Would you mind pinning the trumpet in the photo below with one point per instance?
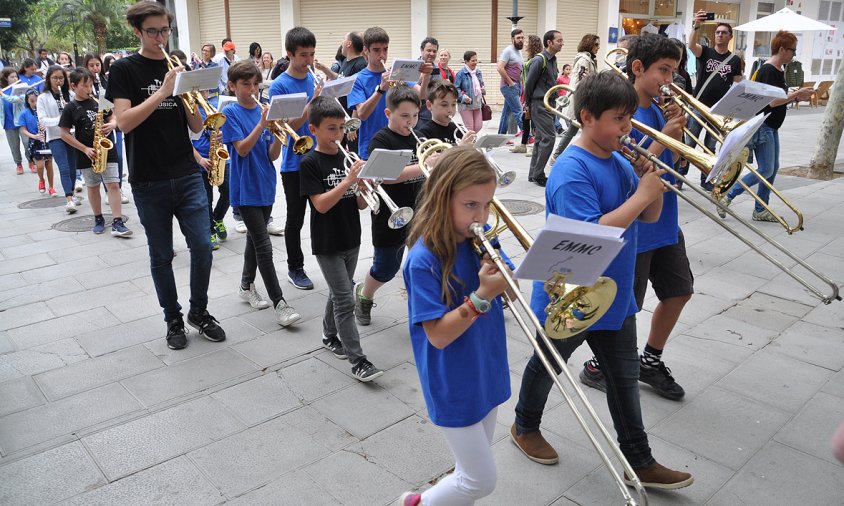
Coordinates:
(573, 309)
(280, 129)
(718, 127)
(505, 177)
(706, 163)
(399, 216)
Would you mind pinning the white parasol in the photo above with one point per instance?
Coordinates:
(785, 19)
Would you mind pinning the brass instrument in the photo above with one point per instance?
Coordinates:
(350, 124)
(705, 162)
(399, 216)
(718, 127)
(572, 310)
(214, 120)
(281, 130)
(102, 145)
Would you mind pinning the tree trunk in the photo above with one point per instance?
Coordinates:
(100, 33)
(823, 161)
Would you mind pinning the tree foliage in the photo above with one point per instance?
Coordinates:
(19, 12)
(93, 16)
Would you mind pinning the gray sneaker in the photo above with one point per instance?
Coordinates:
(763, 216)
(363, 306)
(253, 297)
(721, 212)
(365, 371)
(286, 314)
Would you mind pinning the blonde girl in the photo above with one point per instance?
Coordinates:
(457, 323)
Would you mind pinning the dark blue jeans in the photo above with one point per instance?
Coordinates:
(616, 352)
(67, 171)
(158, 202)
(511, 114)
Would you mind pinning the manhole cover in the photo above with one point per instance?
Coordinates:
(42, 203)
(82, 223)
(522, 207)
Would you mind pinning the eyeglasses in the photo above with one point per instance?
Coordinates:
(792, 49)
(57, 78)
(155, 32)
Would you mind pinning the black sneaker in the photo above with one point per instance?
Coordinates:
(365, 371)
(176, 337)
(660, 379)
(334, 345)
(207, 325)
(592, 376)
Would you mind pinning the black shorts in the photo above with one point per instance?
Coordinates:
(668, 270)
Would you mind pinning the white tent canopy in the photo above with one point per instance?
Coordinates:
(784, 19)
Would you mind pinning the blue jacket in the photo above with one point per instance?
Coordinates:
(463, 83)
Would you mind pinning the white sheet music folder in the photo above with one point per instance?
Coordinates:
(405, 70)
(339, 87)
(287, 106)
(198, 80)
(733, 145)
(580, 249)
(385, 164)
(746, 98)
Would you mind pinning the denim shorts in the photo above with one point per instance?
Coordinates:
(386, 262)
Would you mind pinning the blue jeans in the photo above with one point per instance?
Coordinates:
(386, 262)
(118, 146)
(765, 144)
(616, 352)
(512, 108)
(66, 169)
(157, 203)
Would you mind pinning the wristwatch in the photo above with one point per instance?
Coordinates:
(379, 90)
(481, 305)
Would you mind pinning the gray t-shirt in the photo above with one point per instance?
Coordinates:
(513, 63)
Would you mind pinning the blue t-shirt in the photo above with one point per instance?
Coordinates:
(203, 144)
(286, 84)
(34, 78)
(364, 87)
(666, 230)
(29, 120)
(465, 380)
(8, 112)
(253, 179)
(584, 187)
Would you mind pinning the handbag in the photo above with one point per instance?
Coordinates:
(486, 111)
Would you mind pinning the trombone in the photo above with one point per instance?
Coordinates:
(280, 129)
(350, 124)
(706, 162)
(718, 127)
(576, 308)
(399, 216)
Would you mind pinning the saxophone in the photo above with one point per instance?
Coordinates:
(102, 145)
(218, 155)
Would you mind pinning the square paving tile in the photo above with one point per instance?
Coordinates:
(363, 409)
(812, 429)
(259, 399)
(49, 477)
(722, 426)
(814, 344)
(18, 395)
(292, 488)
(357, 481)
(778, 475)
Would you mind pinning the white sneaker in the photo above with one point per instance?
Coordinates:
(77, 200)
(78, 186)
(253, 297)
(286, 314)
(123, 198)
(274, 229)
(239, 226)
(70, 207)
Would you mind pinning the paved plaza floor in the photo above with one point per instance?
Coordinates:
(95, 409)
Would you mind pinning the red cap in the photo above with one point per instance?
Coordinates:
(228, 46)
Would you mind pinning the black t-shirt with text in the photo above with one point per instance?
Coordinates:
(338, 229)
(433, 130)
(83, 116)
(709, 60)
(769, 74)
(159, 148)
(403, 194)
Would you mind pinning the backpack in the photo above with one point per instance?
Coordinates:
(526, 67)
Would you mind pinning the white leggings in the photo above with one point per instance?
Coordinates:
(474, 469)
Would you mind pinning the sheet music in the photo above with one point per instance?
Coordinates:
(385, 164)
(339, 87)
(287, 106)
(406, 70)
(746, 98)
(733, 145)
(197, 80)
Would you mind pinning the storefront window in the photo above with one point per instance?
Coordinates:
(634, 6)
(762, 40)
(665, 8)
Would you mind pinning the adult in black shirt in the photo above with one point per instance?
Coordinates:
(766, 141)
(165, 178)
(429, 48)
(709, 91)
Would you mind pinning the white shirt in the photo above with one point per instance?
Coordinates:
(676, 31)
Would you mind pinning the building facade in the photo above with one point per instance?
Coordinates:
(483, 25)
